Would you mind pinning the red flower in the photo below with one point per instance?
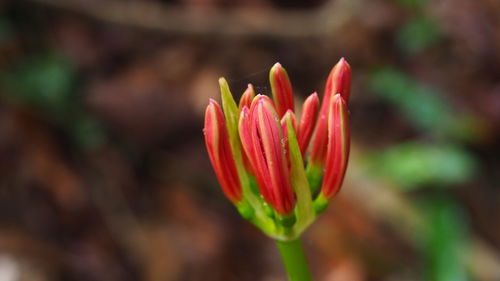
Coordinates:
(282, 89)
(247, 97)
(307, 122)
(261, 137)
(339, 82)
(219, 152)
(338, 146)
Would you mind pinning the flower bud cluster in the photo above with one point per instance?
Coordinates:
(258, 149)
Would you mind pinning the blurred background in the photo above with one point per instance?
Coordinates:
(104, 173)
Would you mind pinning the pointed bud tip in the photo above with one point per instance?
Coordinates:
(260, 98)
(338, 98)
(222, 81)
(247, 96)
(343, 62)
(210, 105)
(289, 114)
(312, 98)
(276, 66)
(277, 70)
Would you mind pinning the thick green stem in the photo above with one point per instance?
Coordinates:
(294, 260)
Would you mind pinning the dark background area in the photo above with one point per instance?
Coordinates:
(104, 173)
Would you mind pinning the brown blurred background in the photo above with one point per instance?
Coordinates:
(104, 174)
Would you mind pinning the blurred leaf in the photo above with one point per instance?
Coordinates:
(444, 241)
(46, 83)
(418, 34)
(423, 106)
(412, 165)
(43, 81)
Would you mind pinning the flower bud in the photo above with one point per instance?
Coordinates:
(244, 128)
(261, 137)
(282, 89)
(307, 121)
(219, 152)
(247, 97)
(257, 150)
(246, 101)
(338, 147)
(339, 82)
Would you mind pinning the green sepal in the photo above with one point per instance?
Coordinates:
(245, 210)
(268, 210)
(254, 187)
(321, 203)
(314, 176)
(287, 221)
(231, 111)
(304, 210)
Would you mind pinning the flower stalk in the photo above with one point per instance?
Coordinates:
(294, 259)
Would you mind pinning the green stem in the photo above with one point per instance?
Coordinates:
(294, 260)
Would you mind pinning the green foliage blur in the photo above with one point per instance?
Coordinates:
(437, 160)
(47, 83)
(414, 165)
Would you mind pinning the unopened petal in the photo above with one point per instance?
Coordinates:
(282, 89)
(247, 97)
(338, 147)
(339, 82)
(308, 121)
(272, 147)
(219, 152)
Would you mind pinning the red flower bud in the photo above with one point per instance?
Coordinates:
(307, 121)
(283, 122)
(246, 101)
(247, 97)
(282, 89)
(220, 153)
(338, 146)
(339, 82)
(261, 138)
(245, 127)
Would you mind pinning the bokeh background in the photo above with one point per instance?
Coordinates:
(104, 173)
